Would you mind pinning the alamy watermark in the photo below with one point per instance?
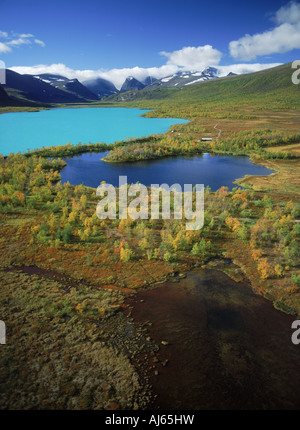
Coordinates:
(2, 333)
(296, 74)
(296, 333)
(157, 202)
(2, 73)
(296, 324)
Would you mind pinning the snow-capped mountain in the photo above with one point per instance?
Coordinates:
(52, 88)
(45, 88)
(181, 79)
(70, 85)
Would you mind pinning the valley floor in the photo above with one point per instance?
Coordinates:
(71, 341)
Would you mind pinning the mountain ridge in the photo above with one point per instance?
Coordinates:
(266, 87)
(33, 89)
(206, 85)
(184, 78)
(72, 86)
(131, 83)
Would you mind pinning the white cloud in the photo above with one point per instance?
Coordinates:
(25, 35)
(16, 40)
(57, 69)
(288, 13)
(40, 42)
(283, 38)
(243, 68)
(194, 58)
(19, 41)
(4, 48)
(118, 76)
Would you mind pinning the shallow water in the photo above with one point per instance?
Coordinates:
(228, 348)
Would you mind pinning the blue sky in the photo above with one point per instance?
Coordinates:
(95, 37)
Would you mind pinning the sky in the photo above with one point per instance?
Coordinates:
(115, 39)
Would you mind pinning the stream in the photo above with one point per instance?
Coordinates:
(224, 347)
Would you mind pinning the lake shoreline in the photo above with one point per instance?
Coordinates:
(90, 169)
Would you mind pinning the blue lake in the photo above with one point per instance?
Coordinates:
(215, 171)
(21, 131)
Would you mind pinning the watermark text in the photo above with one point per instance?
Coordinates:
(136, 201)
(296, 333)
(2, 333)
(2, 73)
(296, 74)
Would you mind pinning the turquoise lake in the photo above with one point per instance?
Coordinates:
(21, 131)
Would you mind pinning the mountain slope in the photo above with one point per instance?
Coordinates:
(72, 86)
(271, 84)
(4, 99)
(270, 88)
(29, 88)
(100, 87)
(131, 84)
(149, 80)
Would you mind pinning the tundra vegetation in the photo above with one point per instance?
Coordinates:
(65, 273)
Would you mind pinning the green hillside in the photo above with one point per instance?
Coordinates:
(267, 89)
(268, 86)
